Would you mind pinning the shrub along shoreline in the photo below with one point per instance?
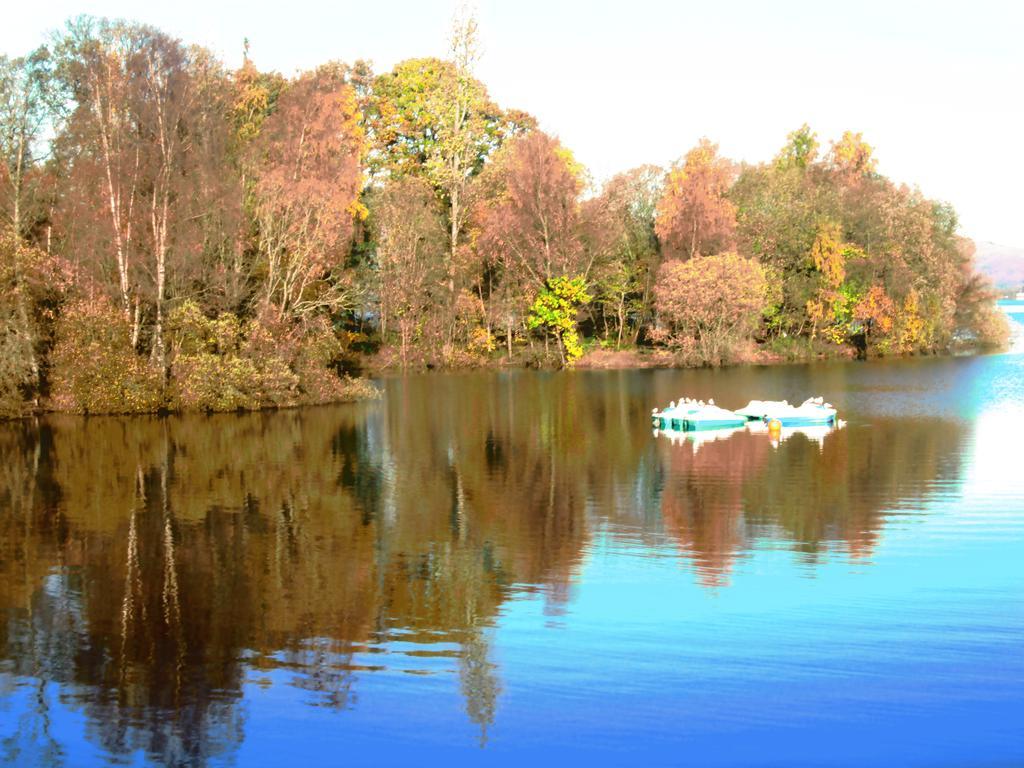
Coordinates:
(215, 365)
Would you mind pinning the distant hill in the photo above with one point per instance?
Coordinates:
(1003, 264)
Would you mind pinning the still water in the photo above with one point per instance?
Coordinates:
(509, 567)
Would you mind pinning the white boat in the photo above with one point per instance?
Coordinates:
(812, 412)
(711, 417)
(672, 417)
(691, 414)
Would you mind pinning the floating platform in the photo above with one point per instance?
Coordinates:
(688, 414)
(674, 416)
(812, 412)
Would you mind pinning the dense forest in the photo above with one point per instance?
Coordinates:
(178, 235)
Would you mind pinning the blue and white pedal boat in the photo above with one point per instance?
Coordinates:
(812, 412)
(673, 416)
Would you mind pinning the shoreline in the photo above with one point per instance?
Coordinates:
(363, 388)
(358, 389)
(627, 358)
(648, 359)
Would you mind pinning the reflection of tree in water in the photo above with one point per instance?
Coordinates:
(193, 554)
(292, 540)
(702, 499)
(45, 645)
(719, 497)
(479, 681)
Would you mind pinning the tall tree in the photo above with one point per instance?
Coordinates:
(452, 160)
(164, 110)
(139, 128)
(531, 222)
(619, 232)
(852, 156)
(24, 110)
(307, 164)
(434, 118)
(800, 150)
(694, 214)
(411, 242)
(527, 222)
(97, 64)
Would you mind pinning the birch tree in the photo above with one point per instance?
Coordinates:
(24, 109)
(97, 63)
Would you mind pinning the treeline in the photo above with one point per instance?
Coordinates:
(181, 235)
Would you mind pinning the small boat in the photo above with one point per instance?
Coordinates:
(672, 417)
(812, 412)
(710, 416)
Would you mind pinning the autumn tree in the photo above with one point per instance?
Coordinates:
(32, 286)
(828, 256)
(532, 220)
(619, 234)
(780, 207)
(875, 314)
(254, 96)
(555, 311)
(139, 157)
(307, 164)
(852, 156)
(433, 118)
(451, 161)
(800, 150)
(976, 316)
(710, 304)
(25, 108)
(694, 214)
(164, 112)
(411, 244)
(99, 64)
(527, 221)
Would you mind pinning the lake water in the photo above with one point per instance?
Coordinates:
(511, 568)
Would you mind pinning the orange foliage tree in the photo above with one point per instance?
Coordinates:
(527, 222)
(307, 159)
(694, 215)
(876, 313)
(852, 155)
(532, 223)
(828, 255)
(708, 304)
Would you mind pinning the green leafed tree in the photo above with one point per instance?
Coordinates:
(555, 311)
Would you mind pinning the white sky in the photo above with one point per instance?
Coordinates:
(936, 87)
